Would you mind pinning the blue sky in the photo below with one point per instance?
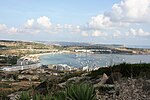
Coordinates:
(65, 11)
(96, 21)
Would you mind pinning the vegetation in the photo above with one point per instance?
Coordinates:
(72, 92)
(3, 95)
(21, 48)
(70, 75)
(80, 92)
(24, 45)
(2, 46)
(24, 96)
(5, 85)
(127, 70)
(8, 59)
(132, 70)
(100, 71)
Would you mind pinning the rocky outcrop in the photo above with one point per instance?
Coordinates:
(14, 96)
(74, 80)
(29, 71)
(146, 86)
(125, 89)
(102, 80)
(116, 76)
(28, 77)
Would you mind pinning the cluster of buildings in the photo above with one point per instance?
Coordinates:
(94, 50)
(17, 68)
(24, 63)
(62, 67)
(32, 62)
(87, 68)
(65, 67)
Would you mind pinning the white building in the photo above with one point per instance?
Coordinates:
(16, 68)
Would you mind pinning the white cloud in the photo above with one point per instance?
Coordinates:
(29, 31)
(77, 28)
(44, 21)
(131, 11)
(99, 33)
(68, 26)
(84, 33)
(58, 26)
(122, 16)
(99, 21)
(31, 26)
(104, 22)
(13, 30)
(29, 23)
(7, 30)
(71, 28)
(137, 32)
(3, 27)
(117, 33)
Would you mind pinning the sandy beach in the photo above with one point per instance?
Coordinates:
(36, 57)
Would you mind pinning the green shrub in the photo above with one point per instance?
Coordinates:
(62, 94)
(3, 95)
(5, 85)
(134, 70)
(100, 71)
(70, 75)
(127, 70)
(80, 92)
(72, 92)
(38, 97)
(49, 97)
(24, 96)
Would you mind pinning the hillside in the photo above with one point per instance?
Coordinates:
(122, 82)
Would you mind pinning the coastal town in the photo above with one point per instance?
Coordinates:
(21, 69)
(74, 50)
(33, 62)
(32, 57)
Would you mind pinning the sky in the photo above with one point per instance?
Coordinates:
(95, 21)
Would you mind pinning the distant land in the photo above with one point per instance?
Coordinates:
(78, 44)
(21, 48)
(92, 44)
(62, 43)
(139, 46)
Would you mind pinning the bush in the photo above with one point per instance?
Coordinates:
(100, 71)
(3, 95)
(61, 95)
(127, 70)
(38, 97)
(80, 92)
(70, 75)
(5, 85)
(134, 70)
(24, 96)
(72, 92)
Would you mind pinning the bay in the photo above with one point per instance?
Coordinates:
(98, 60)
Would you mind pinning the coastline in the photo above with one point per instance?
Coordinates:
(35, 57)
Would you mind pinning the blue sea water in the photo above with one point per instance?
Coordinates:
(81, 60)
(139, 46)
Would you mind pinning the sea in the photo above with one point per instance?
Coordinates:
(139, 46)
(92, 60)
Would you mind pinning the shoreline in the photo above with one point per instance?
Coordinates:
(36, 57)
